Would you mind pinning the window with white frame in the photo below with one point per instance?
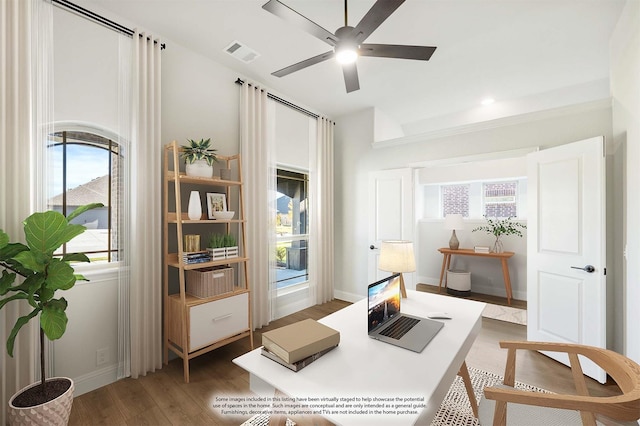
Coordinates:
(475, 199)
(455, 199)
(87, 168)
(500, 199)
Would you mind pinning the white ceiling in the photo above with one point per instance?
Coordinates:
(517, 51)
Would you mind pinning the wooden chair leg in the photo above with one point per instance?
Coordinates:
(464, 373)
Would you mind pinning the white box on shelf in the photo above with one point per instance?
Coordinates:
(232, 252)
(218, 253)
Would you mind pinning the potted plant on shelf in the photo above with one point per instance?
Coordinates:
(216, 247)
(231, 246)
(49, 401)
(199, 158)
(500, 227)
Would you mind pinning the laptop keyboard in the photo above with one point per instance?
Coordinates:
(400, 327)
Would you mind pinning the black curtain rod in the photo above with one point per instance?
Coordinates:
(285, 102)
(100, 19)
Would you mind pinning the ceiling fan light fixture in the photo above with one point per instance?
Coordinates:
(346, 55)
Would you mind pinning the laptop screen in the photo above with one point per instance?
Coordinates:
(384, 300)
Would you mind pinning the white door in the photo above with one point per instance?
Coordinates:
(391, 215)
(566, 247)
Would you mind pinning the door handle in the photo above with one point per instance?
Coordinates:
(588, 268)
(372, 247)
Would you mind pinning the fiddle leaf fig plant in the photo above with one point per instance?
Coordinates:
(44, 274)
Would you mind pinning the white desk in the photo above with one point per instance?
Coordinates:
(364, 367)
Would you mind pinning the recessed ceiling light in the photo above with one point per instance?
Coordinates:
(487, 101)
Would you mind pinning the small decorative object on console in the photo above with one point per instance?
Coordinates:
(500, 227)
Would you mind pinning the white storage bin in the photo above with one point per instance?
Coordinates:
(458, 282)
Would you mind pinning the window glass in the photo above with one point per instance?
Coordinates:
(500, 199)
(455, 199)
(86, 169)
(292, 228)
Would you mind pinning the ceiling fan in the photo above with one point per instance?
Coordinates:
(347, 42)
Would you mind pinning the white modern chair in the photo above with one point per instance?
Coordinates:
(504, 405)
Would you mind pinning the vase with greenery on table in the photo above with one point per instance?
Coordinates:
(498, 228)
(199, 158)
(43, 273)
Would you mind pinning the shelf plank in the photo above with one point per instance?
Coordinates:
(191, 300)
(214, 181)
(172, 217)
(173, 260)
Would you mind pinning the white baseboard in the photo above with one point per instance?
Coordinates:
(480, 288)
(95, 379)
(349, 297)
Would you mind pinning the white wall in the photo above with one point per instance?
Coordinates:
(625, 88)
(355, 158)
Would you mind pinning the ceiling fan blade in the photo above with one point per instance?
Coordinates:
(351, 82)
(398, 51)
(378, 13)
(285, 12)
(304, 64)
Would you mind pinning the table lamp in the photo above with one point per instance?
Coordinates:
(453, 221)
(396, 256)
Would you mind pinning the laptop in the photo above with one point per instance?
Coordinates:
(388, 324)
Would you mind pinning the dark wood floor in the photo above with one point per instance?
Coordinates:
(162, 398)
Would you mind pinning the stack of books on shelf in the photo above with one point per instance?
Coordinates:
(196, 257)
(481, 249)
(297, 345)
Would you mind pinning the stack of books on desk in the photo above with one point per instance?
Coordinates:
(481, 249)
(297, 345)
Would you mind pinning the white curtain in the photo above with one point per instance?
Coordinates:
(143, 252)
(321, 267)
(25, 115)
(258, 175)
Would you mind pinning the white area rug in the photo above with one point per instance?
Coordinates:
(455, 410)
(505, 313)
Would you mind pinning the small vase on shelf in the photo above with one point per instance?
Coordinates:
(497, 246)
(195, 207)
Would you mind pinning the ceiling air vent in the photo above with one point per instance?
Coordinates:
(241, 52)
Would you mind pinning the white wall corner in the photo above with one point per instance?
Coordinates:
(385, 127)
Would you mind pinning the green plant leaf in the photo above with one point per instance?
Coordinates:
(78, 211)
(16, 296)
(75, 257)
(47, 231)
(60, 276)
(16, 328)
(7, 279)
(4, 238)
(31, 284)
(31, 260)
(59, 303)
(53, 321)
(9, 251)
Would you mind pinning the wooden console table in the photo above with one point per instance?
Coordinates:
(446, 262)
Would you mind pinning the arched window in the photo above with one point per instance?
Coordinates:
(86, 167)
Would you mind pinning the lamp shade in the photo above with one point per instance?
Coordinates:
(453, 221)
(397, 256)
